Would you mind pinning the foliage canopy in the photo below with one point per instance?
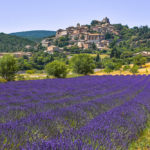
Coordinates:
(82, 64)
(8, 67)
(57, 69)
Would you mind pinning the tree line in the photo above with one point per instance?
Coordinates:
(79, 63)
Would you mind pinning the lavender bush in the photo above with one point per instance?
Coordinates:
(85, 113)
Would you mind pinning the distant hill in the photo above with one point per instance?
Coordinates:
(12, 43)
(36, 35)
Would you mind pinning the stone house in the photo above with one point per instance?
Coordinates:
(51, 49)
(45, 43)
(95, 38)
(61, 32)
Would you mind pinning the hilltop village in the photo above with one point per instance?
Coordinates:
(84, 36)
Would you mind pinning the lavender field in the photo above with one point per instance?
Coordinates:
(85, 113)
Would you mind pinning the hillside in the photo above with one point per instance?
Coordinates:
(11, 43)
(132, 39)
(36, 35)
(102, 35)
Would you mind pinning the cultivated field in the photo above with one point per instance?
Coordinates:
(84, 113)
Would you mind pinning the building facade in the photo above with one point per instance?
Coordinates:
(85, 35)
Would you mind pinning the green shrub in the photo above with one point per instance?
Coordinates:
(8, 67)
(109, 66)
(140, 60)
(82, 64)
(57, 69)
(125, 68)
(108, 70)
(31, 71)
(134, 69)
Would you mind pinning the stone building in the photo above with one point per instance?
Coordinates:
(51, 49)
(45, 43)
(60, 33)
(106, 20)
(84, 35)
(78, 25)
(84, 45)
(95, 38)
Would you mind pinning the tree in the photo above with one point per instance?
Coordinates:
(94, 22)
(126, 54)
(82, 64)
(139, 60)
(110, 66)
(98, 61)
(118, 26)
(113, 43)
(8, 67)
(126, 67)
(108, 70)
(57, 69)
(62, 41)
(108, 36)
(37, 61)
(115, 53)
(94, 47)
(134, 69)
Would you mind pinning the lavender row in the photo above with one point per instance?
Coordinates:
(47, 116)
(111, 130)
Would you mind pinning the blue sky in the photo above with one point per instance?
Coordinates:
(23, 15)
